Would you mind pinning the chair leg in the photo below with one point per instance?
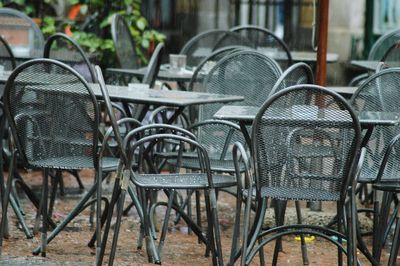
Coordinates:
(165, 223)
(210, 229)
(44, 212)
(54, 185)
(120, 209)
(236, 227)
(5, 201)
(303, 242)
(394, 251)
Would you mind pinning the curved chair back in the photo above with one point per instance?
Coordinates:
(266, 42)
(203, 44)
(65, 49)
(53, 115)
(13, 22)
(380, 92)
(381, 45)
(282, 129)
(154, 65)
(299, 73)
(246, 73)
(124, 43)
(7, 58)
(207, 63)
(392, 56)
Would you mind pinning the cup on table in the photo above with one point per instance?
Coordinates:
(177, 62)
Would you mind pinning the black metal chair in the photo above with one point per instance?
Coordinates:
(382, 45)
(124, 43)
(378, 93)
(392, 55)
(7, 58)
(12, 20)
(61, 47)
(54, 117)
(140, 144)
(299, 73)
(266, 41)
(203, 44)
(280, 130)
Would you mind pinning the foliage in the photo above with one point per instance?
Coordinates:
(91, 28)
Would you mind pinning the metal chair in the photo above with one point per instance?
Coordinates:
(280, 130)
(7, 59)
(392, 55)
(149, 180)
(378, 93)
(61, 47)
(299, 73)
(203, 44)
(267, 42)
(124, 43)
(13, 23)
(54, 117)
(381, 45)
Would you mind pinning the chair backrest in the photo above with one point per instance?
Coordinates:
(53, 115)
(281, 131)
(299, 73)
(381, 45)
(380, 92)
(65, 49)
(124, 43)
(392, 55)
(7, 59)
(207, 63)
(154, 65)
(115, 125)
(203, 44)
(266, 42)
(22, 33)
(245, 73)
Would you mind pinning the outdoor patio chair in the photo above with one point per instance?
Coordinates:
(7, 59)
(13, 22)
(44, 100)
(381, 46)
(203, 44)
(279, 131)
(299, 73)
(392, 55)
(378, 93)
(266, 42)
(124, 44)
(61, 47)
(140, 144)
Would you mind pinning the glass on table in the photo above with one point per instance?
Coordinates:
(177, 62)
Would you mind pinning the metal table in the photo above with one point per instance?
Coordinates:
(245, 115)
(298, 56)
(365, 64)
(164, 74)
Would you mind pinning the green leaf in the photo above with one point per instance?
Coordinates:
(84, 9)
(145, 43)
(141, 23)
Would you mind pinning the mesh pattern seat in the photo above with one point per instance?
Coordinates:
(124, 43)
(203, 44)
(65, 49)
(378, 93)
(266, 42)
(15, 22)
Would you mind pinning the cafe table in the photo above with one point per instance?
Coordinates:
(245, 115)
(365, 64)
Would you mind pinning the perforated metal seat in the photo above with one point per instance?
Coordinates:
(392, 55)
(7, 59)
